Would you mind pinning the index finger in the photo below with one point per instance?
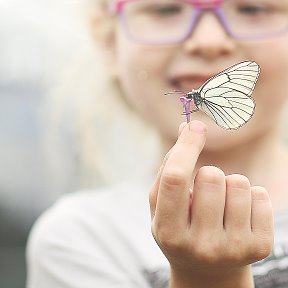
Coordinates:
(154, 191)
(173, 195)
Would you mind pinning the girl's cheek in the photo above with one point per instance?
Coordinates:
(143, 60)
(273, 59)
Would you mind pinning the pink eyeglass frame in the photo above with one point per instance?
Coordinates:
(116, 8)
(118, 4)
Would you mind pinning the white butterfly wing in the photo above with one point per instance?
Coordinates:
(231, 110)
(226, 96)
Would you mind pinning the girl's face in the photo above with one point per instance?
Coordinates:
(146, 72)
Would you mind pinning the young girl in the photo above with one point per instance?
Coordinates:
(209, 216)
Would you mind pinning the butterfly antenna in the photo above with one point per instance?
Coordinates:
(175, 92)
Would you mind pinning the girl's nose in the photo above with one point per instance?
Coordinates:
(209, 38)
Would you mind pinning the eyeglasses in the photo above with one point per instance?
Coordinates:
(173, 21)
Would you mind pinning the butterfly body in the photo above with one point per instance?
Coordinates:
(226, 97)
(195, 95)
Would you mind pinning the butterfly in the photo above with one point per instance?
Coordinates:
(226, 97)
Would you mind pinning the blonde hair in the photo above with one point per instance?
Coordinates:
(94, 137)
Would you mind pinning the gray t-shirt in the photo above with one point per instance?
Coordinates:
(103, 239)
(273, 271)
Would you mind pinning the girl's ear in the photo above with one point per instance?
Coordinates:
(102, 27)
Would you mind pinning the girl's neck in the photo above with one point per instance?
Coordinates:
(253, 159)
(264, 160)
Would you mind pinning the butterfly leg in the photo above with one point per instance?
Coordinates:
(194, 110)
(190, 112)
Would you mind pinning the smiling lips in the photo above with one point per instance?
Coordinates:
(186, 83)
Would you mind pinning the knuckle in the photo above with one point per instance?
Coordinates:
(166, 157)
(206, 251)
(173, 178)
(237, 249)
(236, 240)
(236, 255)
(261, 254)
(237, 252)
(262, 250)
(152, 198)
(167, 240)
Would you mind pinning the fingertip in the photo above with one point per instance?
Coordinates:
(181, 127)
(262, 223)
(259, 193)
(198, 127)
(195, 126)
(262, 212)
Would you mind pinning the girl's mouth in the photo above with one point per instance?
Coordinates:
(186, 83)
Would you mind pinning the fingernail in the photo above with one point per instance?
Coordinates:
(197, 126)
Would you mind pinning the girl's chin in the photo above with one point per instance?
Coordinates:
(221, 141)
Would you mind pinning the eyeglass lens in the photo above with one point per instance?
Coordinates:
(169, 20)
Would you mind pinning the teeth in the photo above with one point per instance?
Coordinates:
(177, 85)
(185, 86)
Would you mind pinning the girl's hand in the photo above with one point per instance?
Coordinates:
(212, 228)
